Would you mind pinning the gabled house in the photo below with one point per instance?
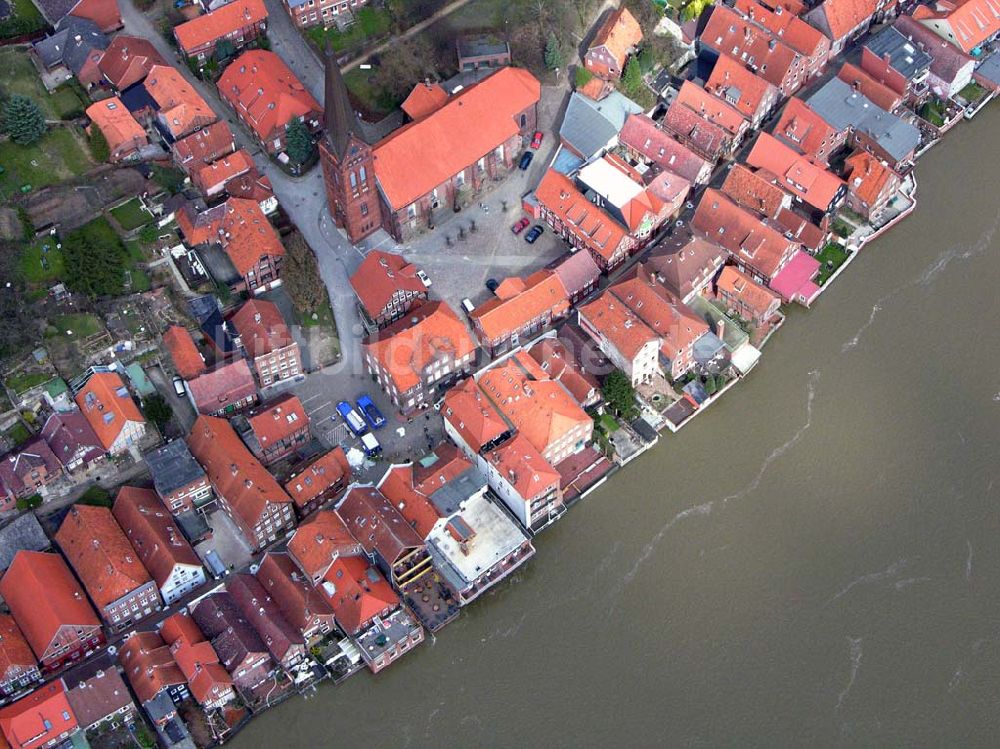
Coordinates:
(750, 94)
(967, 24)
(128, 60)
(116, 580)
(18, 666)
(125, 136)
(319, 542)
(151, 669)
(72, 440)
(266, 340)
(871, 184)
(784, 23)
(249, 494)
(212, 179)
(419, 355)
(950, 70)
(98, 695)
(878, 93)
(387, 287)
(305, 13)
(204, 146)
(275, 430)
(267, 96)
(710, 140)
(301, 605)
(844, 20)
(319, 481)
(180, 110)
(180, 483)
(285, 644)
(745, 297)
(617, 38)
(648, 143)
(590, 127)
(239, 22)
(520, 309)
(41, 720)
(357, 593)
(808, 182)
(27, 471)
(158, 542)
(188, 361)
(388, 540)
(895, 61)
(630, 344)
(23, 533)
(240, 649)
(74, 50)
(805, 132)
(104, 13)
(105, 402)
(559, 362)
(51, 609)
(224, 390)
(208, 681)
(578, 273)
(687, 265)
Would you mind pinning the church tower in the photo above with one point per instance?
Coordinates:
(348, 162)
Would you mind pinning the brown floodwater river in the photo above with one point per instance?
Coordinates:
(814, 561)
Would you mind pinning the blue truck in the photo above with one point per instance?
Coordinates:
(371, 412)
(354, 421)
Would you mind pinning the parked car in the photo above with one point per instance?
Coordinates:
(354, 421)
(491, 284)
(520, 225)
(371, 412)
(526, 160)
(371, 445)
(533, 234)
(536, 142)
(424, 278)
(468, 306)
(178, 387)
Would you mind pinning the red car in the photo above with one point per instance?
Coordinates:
(536, 142)
(520, 226)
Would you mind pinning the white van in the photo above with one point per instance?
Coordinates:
(371, 445)
(468, 306)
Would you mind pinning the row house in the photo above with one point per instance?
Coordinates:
(585, 226)
(419, 355)
(696, 128)
(159, 543)
(877, 93)
(784, 25)
(301, 605)
(306, 13)
(520, 310)
(249, 494)
(267, 97)
(180, 109)
(647, 143)
(51, 609)
(729, 32)
(844, 20)
(223, 391)
(18, 666)
(631, 345)
(105, 402)
(264, 336)
(388, 540)
(578, 273)
(435, 164)
(285, 644)
(239, 22)
(319, 481)
(73, 441)
(387, 287)
(811, 184)
(617, 38)
(179, 481)
(239, 647)
(950, 70)
(98, 694)
(128, 60)
(124, 135)
(204, 146)
(712, 108)
(745, 298)
(213, 179)
(805, 132)
(208, 681)
(27, 471)
(319, 542)
(895, 61)
(559, 361)
(41, 720)
(686, 264)
(472, 542)
(74, 49)
(107, 565)
(871, 184)
(151, 669)
(967, 25)
(750, 94)
(275, 430)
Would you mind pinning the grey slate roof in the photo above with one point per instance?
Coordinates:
(589, 125)
(481, 45)
(843, 107)
(990, 68)
(71, 44)
(24, 533)
(173, 466)
(448, 499)
(55, 10)
(904, 56)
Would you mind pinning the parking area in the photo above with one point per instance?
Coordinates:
(227, 541)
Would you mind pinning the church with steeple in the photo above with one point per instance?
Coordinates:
(454, 144)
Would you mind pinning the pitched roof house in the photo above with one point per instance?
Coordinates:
(687, 266)
(967, 24)
(842, 20)
(150, 667)
(204, 146)
(158, 542)
(128, 60)
(285, 644)
(807, 181)
(180, 109)
(784, 23)
(42, 719)
(526, 483)
(951, 69)
(97, 693)
(267, 96)
(209, 682)
(26, 471)
(124, 135)
(357, 592)
(266, 339)
(223, 390)
(179, 481)
(240, 22)
(319, 481)
(617, 37)
(104, 13)
(710, 140)
(109, 409)
(804, 131)
(75, 49)
(301, 605)
(277, 429)
(240, 649)
(319, 542)
(622, 336)
(750, 94)
(50, 608)
(188, 361)
(18, 666)
(387, 287)
(23, 533)
(211, 179)
(520, 309)
(251, 496)
(72, 440)
(878, 93)
(116, 580)
(557, 359)
(745, 297)
(644, 140)
(871, 184)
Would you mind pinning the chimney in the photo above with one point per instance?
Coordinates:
(720, 328)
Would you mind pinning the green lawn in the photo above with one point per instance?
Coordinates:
(608, 423)
(973, 92)
(478, 14)
(20, 77)
(135, 250)
(32, 267)
(25, 19)
(58, 156)
(131, 215)
(933, 112)
(830, 257)
(141, 281)
(19, 433)
(82, 324)
(23, 382)
(372, 98)
(371, 23)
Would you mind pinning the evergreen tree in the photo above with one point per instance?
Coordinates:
(298, 141)
(553, 55)
(99, 147)
(23, 120)
(619, 394)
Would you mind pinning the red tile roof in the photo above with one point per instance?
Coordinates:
(43, 596)
(283, 641)
(128, 59)
(230, 383)
(252, 186)
(559, 362)
(211, 178)
(107, 405)
(15, 654)
(967, 23)
(643, 135)
(234, 472)
(810, 182)
(278, 420)
(742, 233)
(104, 13)
(522, 301)
(473, 415)
(149, 665)
(868, 176)
(40, 719)
(687, 264)
(328, 470)
(843, 16)
(802, 130)
(16, 468)
(879, 94)
(734, 283)
(786, 25)
(299, 601)
(600, 233)
(205, 146)
(619, 33)
(261, 327)
(728, 30)
(213, 26)
(357, 593)
(705, 137)
(380, 276)
(423, 155)
(187, 360)
(196, 658)
(709, 107)
(153, 533)
(120, 129)
(265, 92)
(320, 540)
(524, 468)
(101, 555)
(181, 107)
(431, 332)
(397, 486)
(376, 524)
(424, 99)
(755, 95)
(754, 191)
(618, 324)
